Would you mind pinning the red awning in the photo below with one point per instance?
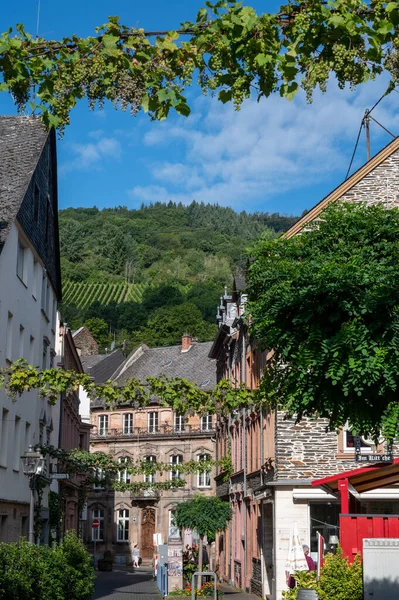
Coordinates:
(363, 479)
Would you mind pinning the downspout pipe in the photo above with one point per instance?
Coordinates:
(244, 450)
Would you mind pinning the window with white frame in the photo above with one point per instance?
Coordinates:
(176, 459)
(152, 422)
(204, 476)
(206, 423)
(179, 422)
(103, 425)
(123, 525)
(349, 444)
(150, 477)
(123, 474)
(97, 534)
(98, 479)
(127, 423)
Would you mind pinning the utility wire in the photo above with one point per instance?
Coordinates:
(355, 149)
(367, 115)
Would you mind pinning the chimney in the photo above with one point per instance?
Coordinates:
(186, 342)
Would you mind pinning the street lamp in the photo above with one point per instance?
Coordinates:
(32, 465)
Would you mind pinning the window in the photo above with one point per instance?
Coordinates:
(9, 338)
(204, 477)
(36, 202)
(4, 438)
(44, 288)
(103, 425)
(152, 422)
(349, 442)
(45, 353)
(99, 479)
(123, 525)
(206, 423)
(54, 314)
(31, 350)
(17, 443)
(179, 422)
(176, 459)
(21, 352)
(97, 534)
(35, 279)
(21, 266)
(150, 477)
(123, 475)
(128, 423)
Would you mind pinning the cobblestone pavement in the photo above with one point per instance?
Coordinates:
(123, 584)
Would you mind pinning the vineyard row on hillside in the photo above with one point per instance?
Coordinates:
(84, 294)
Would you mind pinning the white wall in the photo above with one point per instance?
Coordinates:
(285, 513)
(23, 300)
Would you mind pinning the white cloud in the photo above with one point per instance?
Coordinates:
(92, 154)
(266, 149)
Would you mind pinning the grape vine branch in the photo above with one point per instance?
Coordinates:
(229, 48)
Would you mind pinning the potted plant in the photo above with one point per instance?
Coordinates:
(105, 563)
(306, 583)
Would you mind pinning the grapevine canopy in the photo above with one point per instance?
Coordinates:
(229, 49)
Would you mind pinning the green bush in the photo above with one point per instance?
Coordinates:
(339, 579)
(30, 572)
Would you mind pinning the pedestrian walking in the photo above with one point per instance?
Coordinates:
(136, 556)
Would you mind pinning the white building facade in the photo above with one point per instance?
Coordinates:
(29, 291)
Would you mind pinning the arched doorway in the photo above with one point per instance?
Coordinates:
(147, 532)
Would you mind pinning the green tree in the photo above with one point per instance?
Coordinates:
(99, 330)
(327, 303)
(166, 325)
(207, 515)
(229, 47)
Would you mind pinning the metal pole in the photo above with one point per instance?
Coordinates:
(31, 510)
(367, 126)
(95, 561)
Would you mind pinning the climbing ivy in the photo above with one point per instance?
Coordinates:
(229, 49)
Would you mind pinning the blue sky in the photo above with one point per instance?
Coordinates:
(270, 156)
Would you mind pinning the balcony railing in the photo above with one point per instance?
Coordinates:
(161, 430)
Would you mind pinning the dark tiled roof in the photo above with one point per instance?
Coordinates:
(103, 369)
(21, 142)
(88, 362)
(194, 365)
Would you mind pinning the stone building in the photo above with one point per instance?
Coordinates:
(153, 433)
(85, 342)
(29, 291)
(275, 460)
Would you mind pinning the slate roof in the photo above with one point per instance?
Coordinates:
(194, 365)
(21, 143)
(102, 366)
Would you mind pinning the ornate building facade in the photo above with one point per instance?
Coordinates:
(155, 434)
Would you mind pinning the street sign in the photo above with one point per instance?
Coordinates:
(374, 458)
(59, 476)
(95, 524)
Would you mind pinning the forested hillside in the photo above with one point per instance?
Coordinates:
(151, 273)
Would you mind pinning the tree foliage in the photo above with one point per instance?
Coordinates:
(229, 48)
(206, 514)
(327, 303)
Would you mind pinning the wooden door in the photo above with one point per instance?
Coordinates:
(147, 532)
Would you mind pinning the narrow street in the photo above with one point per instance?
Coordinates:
(122, 583)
